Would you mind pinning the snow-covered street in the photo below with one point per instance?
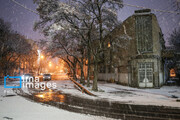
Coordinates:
(13, 107)
(19, 108)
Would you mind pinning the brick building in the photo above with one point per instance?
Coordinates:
(134, 50)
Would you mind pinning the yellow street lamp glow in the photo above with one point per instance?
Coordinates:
(40, 96)
(50, 64)
(42, 56)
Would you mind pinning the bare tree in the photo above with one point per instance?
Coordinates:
(87, 21)
(13, 46)
(175, 39)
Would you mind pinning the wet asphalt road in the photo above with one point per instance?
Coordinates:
(101, 107)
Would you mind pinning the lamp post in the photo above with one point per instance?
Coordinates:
(50, 64)
(40, 66)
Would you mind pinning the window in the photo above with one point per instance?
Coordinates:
(109, 44)
(144, 33)
(146, 72)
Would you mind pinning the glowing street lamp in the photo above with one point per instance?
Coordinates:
(42, 56)
(50, 64)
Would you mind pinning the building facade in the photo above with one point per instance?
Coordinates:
(134, 49)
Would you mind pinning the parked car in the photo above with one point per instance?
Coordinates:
(46, 77)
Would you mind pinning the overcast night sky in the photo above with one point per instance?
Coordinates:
(22, 20)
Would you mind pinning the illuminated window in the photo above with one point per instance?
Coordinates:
(109, 44)
(172, 73)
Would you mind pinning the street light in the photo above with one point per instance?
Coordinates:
(42, 56)
(50, 64)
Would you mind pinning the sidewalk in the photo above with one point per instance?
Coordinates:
(166, 96)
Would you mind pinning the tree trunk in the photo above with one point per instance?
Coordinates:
(95, 87)
(74, 69)
(74, 74)
(82, 75)
(88, 72)
(82, 80)
(89, 57)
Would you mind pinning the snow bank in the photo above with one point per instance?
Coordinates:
(124, 94)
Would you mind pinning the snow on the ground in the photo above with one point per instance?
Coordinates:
(164, 90)
(19, 108)
(67, 86)
(125, 94)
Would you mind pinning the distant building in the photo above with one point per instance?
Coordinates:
(134, 52)
(171, 59)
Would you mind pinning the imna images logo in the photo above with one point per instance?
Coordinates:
(29, 82)
(12, 77)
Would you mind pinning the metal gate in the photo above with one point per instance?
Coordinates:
(145, 74)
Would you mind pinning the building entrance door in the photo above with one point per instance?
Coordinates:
(145, 75)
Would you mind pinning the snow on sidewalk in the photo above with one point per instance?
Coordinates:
(125, 94)
(19, 108)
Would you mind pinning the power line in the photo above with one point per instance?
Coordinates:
(25, 7)
(157, 10)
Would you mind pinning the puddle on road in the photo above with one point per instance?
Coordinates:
(48, 96)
